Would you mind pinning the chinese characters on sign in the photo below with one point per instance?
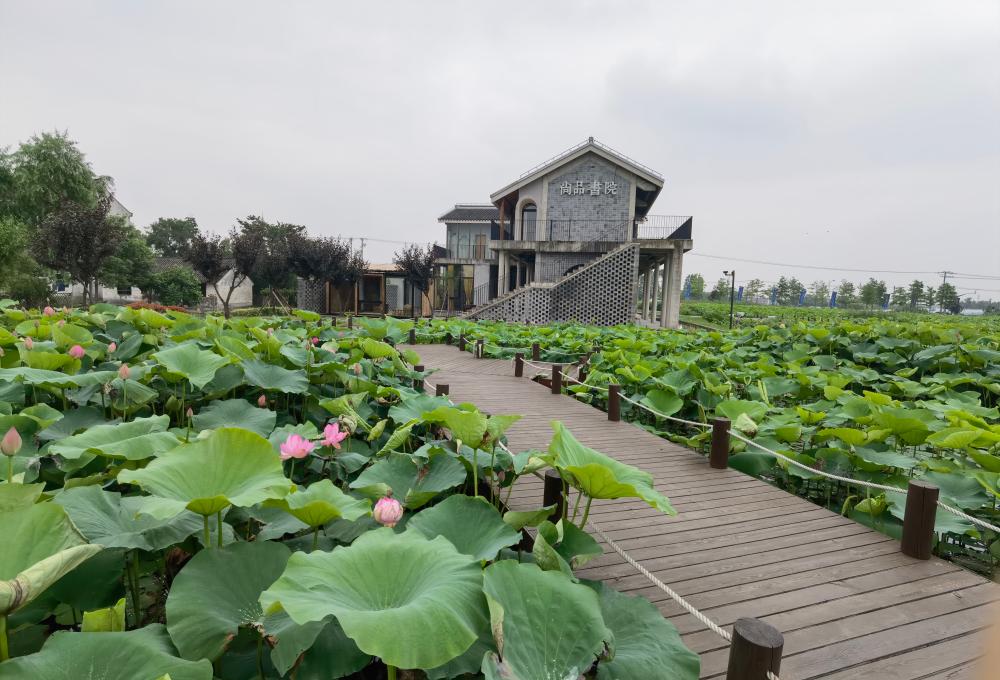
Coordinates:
(595, 188)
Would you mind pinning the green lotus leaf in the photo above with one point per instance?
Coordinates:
(321, 502)
(472, 525)
(465, 422)
(136, 440)
(197, 365)
(600, 476)
(957, 489)
(646, 644)
(40, 546)
(235, 413)
(413, 406)
(886, 458)
(37, 376)
(987, 461)
(412, 483)
(229, 467)
(410, 601)
(733, 408)
(546, 626)
(108, 519)
(954, 437)
(318, 650)
(663, 402)
(107, 620)
(43, 414)
(848, 435)
(518, 519)
(374, 349)
(217, 592)
(47, 361)
(271, 377)
(14, 496)
(143, 653)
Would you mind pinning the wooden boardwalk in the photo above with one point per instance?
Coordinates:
(848, 602)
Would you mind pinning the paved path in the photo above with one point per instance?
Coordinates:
(849, 603)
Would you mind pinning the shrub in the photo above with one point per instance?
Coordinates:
(176, 286)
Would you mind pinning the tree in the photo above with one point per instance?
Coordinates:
(930, 296)
(79, 239)
(873, 292)
(271, 270)
(845, 292)
(947, 298)
(214, 257)
(720, 291)
(900, 296)
(789, 290)
(417, 266)
(175, 285)
(916, 292)
(753, 290)
(819, 293)
(325, 259)
(171, 236)
(131, 264)
(695, 285)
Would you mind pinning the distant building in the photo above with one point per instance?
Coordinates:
(382, 289)
(569, 240)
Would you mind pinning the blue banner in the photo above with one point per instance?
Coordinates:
(687, 290)
(802, 298)
(833, 299)
(774, 295)
(885, 301)
(739, 294)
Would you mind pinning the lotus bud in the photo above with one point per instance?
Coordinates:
(1, 352)
(124, 371)
(28, 342)
(315, 341)
(357, 369)
(262, 401)
(76, 352)
(11, 442)
(113, 347)
(48, 311)
(388, 510)
(270, 331)
(190, 413)
(66, 310)
(61, 323)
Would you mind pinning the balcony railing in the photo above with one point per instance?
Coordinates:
(653, 227)
(660, 227)
(470, 251)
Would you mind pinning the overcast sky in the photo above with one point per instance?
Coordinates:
(842, 134)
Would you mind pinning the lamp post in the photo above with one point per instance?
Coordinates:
(732, 293)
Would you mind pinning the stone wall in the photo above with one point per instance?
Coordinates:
(553, 266)
(590, 212)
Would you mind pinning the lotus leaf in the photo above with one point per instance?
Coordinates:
(472, 525)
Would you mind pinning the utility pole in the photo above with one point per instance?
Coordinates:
(732, 295)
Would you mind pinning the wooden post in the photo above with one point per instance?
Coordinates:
(581, 375)
(418, 383)
(536, 352)
(755, 650)
(614, 402)
(519, 365)
(461, 342)
(413, 336)
(350, 322)
(447, 338)
(553, 494)
(718, 458)
(918, 519)
(441, 390)
(480, 346)
(556, 379)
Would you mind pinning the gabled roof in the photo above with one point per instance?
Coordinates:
(590, 145)
(471, 212)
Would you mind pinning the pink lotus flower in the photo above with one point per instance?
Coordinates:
(262, 401)
(76, 352)
(388, 511)
(124, 371)
(190, 413)
(112, 348)
(11, 442)
(28, 342)
(270, 331)
(61, 323)
(295, 446)
(357, 369)
(332, 436)
(315, 341)
(48, 311)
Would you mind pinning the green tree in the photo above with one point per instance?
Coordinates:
(930, 296)
(215, 257)
(819, 294)
(131, 264)
(947, 298)
(721, 290)
(417, 266)
(916, 293)
(696, 283)
(753, 290)
(79, 240)
(171, 236)
(900, 296)
(274, 241)
(845, 292)
(789, 290)
(873, 292)
(175, 285)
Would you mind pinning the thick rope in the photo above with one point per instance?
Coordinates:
(675, 419)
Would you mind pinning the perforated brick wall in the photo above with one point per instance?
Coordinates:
(602, 293)
(311, 295)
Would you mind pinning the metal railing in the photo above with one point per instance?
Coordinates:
(661, 226)
(651, 227)
(588, 230)
(481, 294)
(470, 251)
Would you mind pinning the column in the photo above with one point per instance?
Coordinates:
(517, 273)
(667, 290)
(677, 281)
(655, 276)
(503, 272)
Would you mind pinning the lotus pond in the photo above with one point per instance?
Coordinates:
(188, 497)
(873, 400)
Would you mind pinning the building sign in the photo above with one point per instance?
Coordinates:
(595, 188)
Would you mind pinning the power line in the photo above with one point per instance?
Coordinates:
(983, 277)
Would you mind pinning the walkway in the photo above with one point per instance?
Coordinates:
(849, 603)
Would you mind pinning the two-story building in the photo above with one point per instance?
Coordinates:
(572, 239)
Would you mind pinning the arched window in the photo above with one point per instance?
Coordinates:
(529, 213)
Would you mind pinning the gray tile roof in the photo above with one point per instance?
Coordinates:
(471, 212)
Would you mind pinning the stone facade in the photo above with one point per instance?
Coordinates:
(600, 213)
(553, 266)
